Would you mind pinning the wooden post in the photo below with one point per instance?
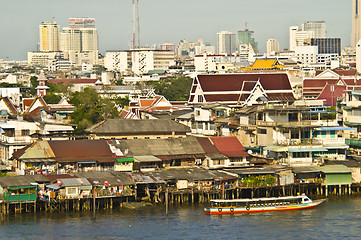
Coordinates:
(223, 190)
(166, 201)
(94, 206)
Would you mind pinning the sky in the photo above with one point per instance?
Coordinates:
(168, 20)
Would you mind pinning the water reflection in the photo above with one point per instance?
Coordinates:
(338, 218)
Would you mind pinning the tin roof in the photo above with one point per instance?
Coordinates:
(138, 126)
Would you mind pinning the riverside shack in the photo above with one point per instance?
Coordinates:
(16, 189)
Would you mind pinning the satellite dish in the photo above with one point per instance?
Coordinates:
(250, 151)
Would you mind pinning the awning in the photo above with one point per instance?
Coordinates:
(269, 148)
(21, 187)
(147, 159)
(89, 162)
(336, 146)
(307, 150)
(352, 124)
(53, 186)
(125, 160)
(340, 128)
(280, 149)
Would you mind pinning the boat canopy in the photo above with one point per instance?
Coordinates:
(258, 199)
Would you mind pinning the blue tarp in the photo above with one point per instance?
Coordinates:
(338, 128)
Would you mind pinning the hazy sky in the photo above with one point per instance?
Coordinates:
(168, 20)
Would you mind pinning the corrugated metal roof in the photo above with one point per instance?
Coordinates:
(159, 147)
(13, 181)
(192, 174)
(74, 182)
(40, 149)
(138, 126)
(335, 169)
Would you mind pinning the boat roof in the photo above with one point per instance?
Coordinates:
(259, 199)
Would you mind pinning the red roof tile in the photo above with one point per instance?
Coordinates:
(331, 97)
(234, 82)
(229, 146)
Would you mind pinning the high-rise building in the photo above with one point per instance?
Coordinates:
(226, 42)
(318, 27)
(327, 45)
(303, 37)
(356, 23)
(247, 37)
(49, 37)
(81, 35)
(293, 31)
(80, 39)
(273, 46)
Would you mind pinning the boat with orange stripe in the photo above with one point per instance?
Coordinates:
(253, 205)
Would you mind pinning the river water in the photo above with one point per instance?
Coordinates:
(336, 219)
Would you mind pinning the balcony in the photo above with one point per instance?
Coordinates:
(305, 123)
(14, 140)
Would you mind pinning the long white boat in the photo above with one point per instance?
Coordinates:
(261, 205)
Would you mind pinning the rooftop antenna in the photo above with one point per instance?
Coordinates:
(245, 26)
(138, 23)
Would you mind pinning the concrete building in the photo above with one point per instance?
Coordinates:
(356, 23)
(247, 37)
(318, 27)
(306, 54)
(226, 42)
(80, 40)
(139, 61)
(40, 58)
(327, 45)
(273, 46)
(358, 56)
(168, 47)
(292, 37)
(49, 37)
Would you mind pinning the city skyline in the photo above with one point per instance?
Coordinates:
(171, 21)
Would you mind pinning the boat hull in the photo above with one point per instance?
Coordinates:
(231, 210)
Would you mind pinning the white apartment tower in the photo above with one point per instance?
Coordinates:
(298, 38)
(80, 41)
(226, 42)
(293, 30)
(49, 37)
(356, 23)
(273, 46)
(318, 27)
(81, 35)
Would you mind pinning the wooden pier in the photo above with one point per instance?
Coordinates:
(177, 197)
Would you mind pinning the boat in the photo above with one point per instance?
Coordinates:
(253, 205)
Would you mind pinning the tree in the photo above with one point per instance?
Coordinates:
(90, 109)
(174, 88)
(34, 84)
(52, 98)
(122, 102)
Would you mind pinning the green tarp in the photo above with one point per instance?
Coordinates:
(125, 160)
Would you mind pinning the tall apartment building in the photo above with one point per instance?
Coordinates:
(327, 45)
(356, 23)
(247, 37)
(226, 43)
(139, 61)
(80, 40)
(318, 27)
(273, 46)
(299, 37)
(292, 37)
(49, 37)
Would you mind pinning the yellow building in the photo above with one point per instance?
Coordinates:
(266, 65)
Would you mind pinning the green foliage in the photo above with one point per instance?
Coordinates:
(9, 85)
(329, 116)
(52, 98)
(174, 88)
(119, 82)
(34, 84)
(258, 181)
(120, 101)
(90, 109)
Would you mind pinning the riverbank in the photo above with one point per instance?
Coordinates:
(171, 196)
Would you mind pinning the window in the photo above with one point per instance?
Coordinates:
(262, 131)
(25, 132)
